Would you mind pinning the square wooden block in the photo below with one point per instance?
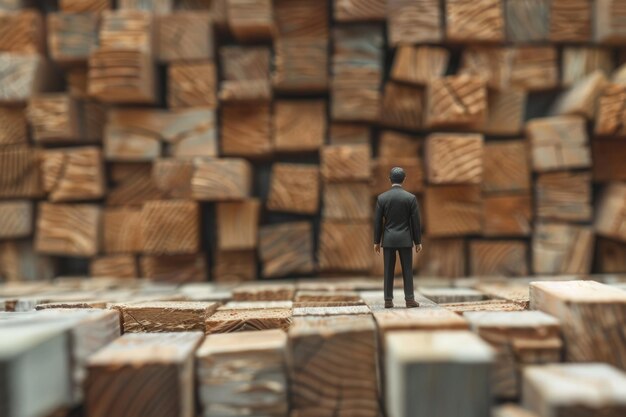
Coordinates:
(221, 179)
(301, 64)
(403, 106)
(122, 230)
(246, 130)
(192, 85)
(245, 73)
(560, 248)
(16, 219)
(235, 266)
(70, 174)
(174, 268)
(508, 215)
(22, 32)
(128, 29)
(611, 256)
(132, 185)
(299, 125)
(118, 266)
(294, 188)
(72, 36)
(237, 224)
(581, 61)
(393, 145)
(231, 321)
(170, 227)
(347, 201)
(458, 101)
(570, 20)
(14, 129)
(419, 64)
(506, 167)
(474, 21)
(346, 162)
(250, 21)
(345, 246)
(68, 229)
(54, 118)
(184, 36)
(454, 158)
(286, 248)
(453, 210)
(414, 21)
(506, 112)
(527, 20)
(498, 258)
(20, 172)
(564, 196)
(82, 6)
(443, 258)
(165, 316)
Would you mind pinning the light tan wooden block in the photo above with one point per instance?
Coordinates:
(301, 63)
(393, 145)
(474, 21)
(456, 101)
(348, 133)
(562, 249)
(54, 118)
(402, 106)
(359, 10)
(506, 112)
(558, 143)
(611, 113)
(221, 179)
(535, 68)
(506, 167)
(165, 316)
(235, 266)
(172, 176)
(419, 64)
(23, 76)
(512, 410)
(346, 162)
(122, 230)
(413, 167)
(127, 30)
(20, 172)
(119, 266)
(232, 321)
(527, 20)
(345, 246)
(570, 20)
(443, 258)
(246, 130)
(16, 219)
(68, 229)
(508, 215)
(294, 188)
(83, 6)
(411, 22)
(564, 196)
(578, 62)
(72, 36)
(453, 210)
(184, 36)
(71, 174)
(237, 224)
(286, 248)
(132, 184)
(582, 97)
(454, 158)
(245, 74)
(610, 220)
(22, 31)
(170, 227)
(14, 128)
(299, 125)
(174, 268)
(498, 258)
(347, 201)
(250, 20)
(192, 85)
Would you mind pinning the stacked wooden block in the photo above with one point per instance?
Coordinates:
(232, 140)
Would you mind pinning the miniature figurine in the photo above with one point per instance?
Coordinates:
(397, 223)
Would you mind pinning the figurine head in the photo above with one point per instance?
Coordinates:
(397, 175)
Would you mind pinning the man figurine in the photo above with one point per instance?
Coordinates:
(398, 214)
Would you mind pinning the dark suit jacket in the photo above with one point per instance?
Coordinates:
(398, 214)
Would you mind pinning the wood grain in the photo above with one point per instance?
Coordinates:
(456, 101)
(184, 36)
(265, 292)
(296, 19)
(413, 21)
(564, 196)
(301, 64)
(347, 201)
(235, 266)
(245, 73)
(443, 258)
(506, 167)
(172, 176)
(14, 127)
(562, 249)
(170, 227)
(192, 85)
(127, 30)
(237, 224)
(20, 172)
(299, 125)
(71, 174)
(611, 116)
(454, 158)
(392, 145)
(246, 130)
(294, 188)
(508, 215)
(498, 258)
(582, 97)
(221, 179)
(535, 68)
(286, 248)
(231, 321)
(345, 246)
(165, 316)
(506, 112)
(578, 62)
(474, 21)
(132, 184)
(174, 268)
(22, 76)
(22, 32)
(118, 266)
(250, 20)
(122, 230)
(345, 162)
(419, 64)
(570, 20)
(610, 256)
(610, 218)
(82, 6)
(20, 262)
(68, 229)
(72, 37)
(402, 106)
(453, 210)
(360, 10)
(607, 22)
(527, 20)
(16, 219)
(54, 118)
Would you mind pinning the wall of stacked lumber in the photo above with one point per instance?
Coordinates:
(230, 140)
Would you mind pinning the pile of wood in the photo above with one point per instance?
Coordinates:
(230, 140)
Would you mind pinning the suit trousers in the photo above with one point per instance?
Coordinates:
(406, 260)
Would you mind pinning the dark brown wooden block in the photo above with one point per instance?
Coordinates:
(294, 188)
(286, 248)
(54, 118)
(72, 36)
(453, 210)
(611, 256)
(456, 101)
(23, 32)
(419, 64)
(527, 20)
(16, 219)
(250, 20)
(237, 224)
(221, 179)
(506, 167)
(413, 168)
(68, 229)
(611, 212)
(608, 157)
(174, 268)
(506, 112)
(346, 162)
(184, 36)
(301, 65)
(558, 143)
(122, 230)
(170, 227)
(570, 20)
(348, 133)
(163, 359)
(347, 201)
(564, 196)
(192, 85)
(118, 266)
(20, 172)
(398, 145)
(246, 130)
(454, 158)
(83, 6)
(411, 22)
(165, 316)
(357, 73)
(301, 18)
(245, 74)
(299, 125)
(474, 21)
(77, 79)
(14, 129)
(235, 266)
(71, 174)
(508, 215)
(562, 249)
(498, 258)
(345, 246)
(230, 321)
(402, 106)
(132, 184)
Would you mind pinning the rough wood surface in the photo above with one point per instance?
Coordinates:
(14, 126)
(22, 76)
(230, 321)
(256, 292)
(299, 125)
(174, 268)
(68, 229)
(137, 368)
(398, 145)
(484, 306)
(235, 266)
(562, 249)
(71, 36)
(165, 316)
(570, 20)
(122, 230)
(506, 112)
(345, 162)
(132, 184)
(474, 21)
(304, 296)
(582, 97)
(402, 106)
(330, 375)
(245, 73)
(443, 258)
(508, 215)
(454, 158)
(338, 310)
(82, 6)
(243, 373)
(119, 266)
(286, 248)
(301, 18)
(564, 196)
(608, 22)
(611, 116)
(54, 118)
(498, 258)
(558, 143)
(221, 179)
(506, 167)
(360, 10)
(347, 201)
(610, 219)
(172, 176)
(170, 227)
(592, 318)
(255, 305)
(192, 85)
(411, 21)
(446, 295)
(345, 246)
(184, 36)
(16, 219)
(510, 290)
(456, 101)
(73, 174)
(300, 63)
(527, 20)
(246, 130)
(250, 20)
(237, 224)
(419, 64)
(453, 210)
(22, 32)
(294, 188)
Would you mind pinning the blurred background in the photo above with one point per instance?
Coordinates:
(186, 140)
